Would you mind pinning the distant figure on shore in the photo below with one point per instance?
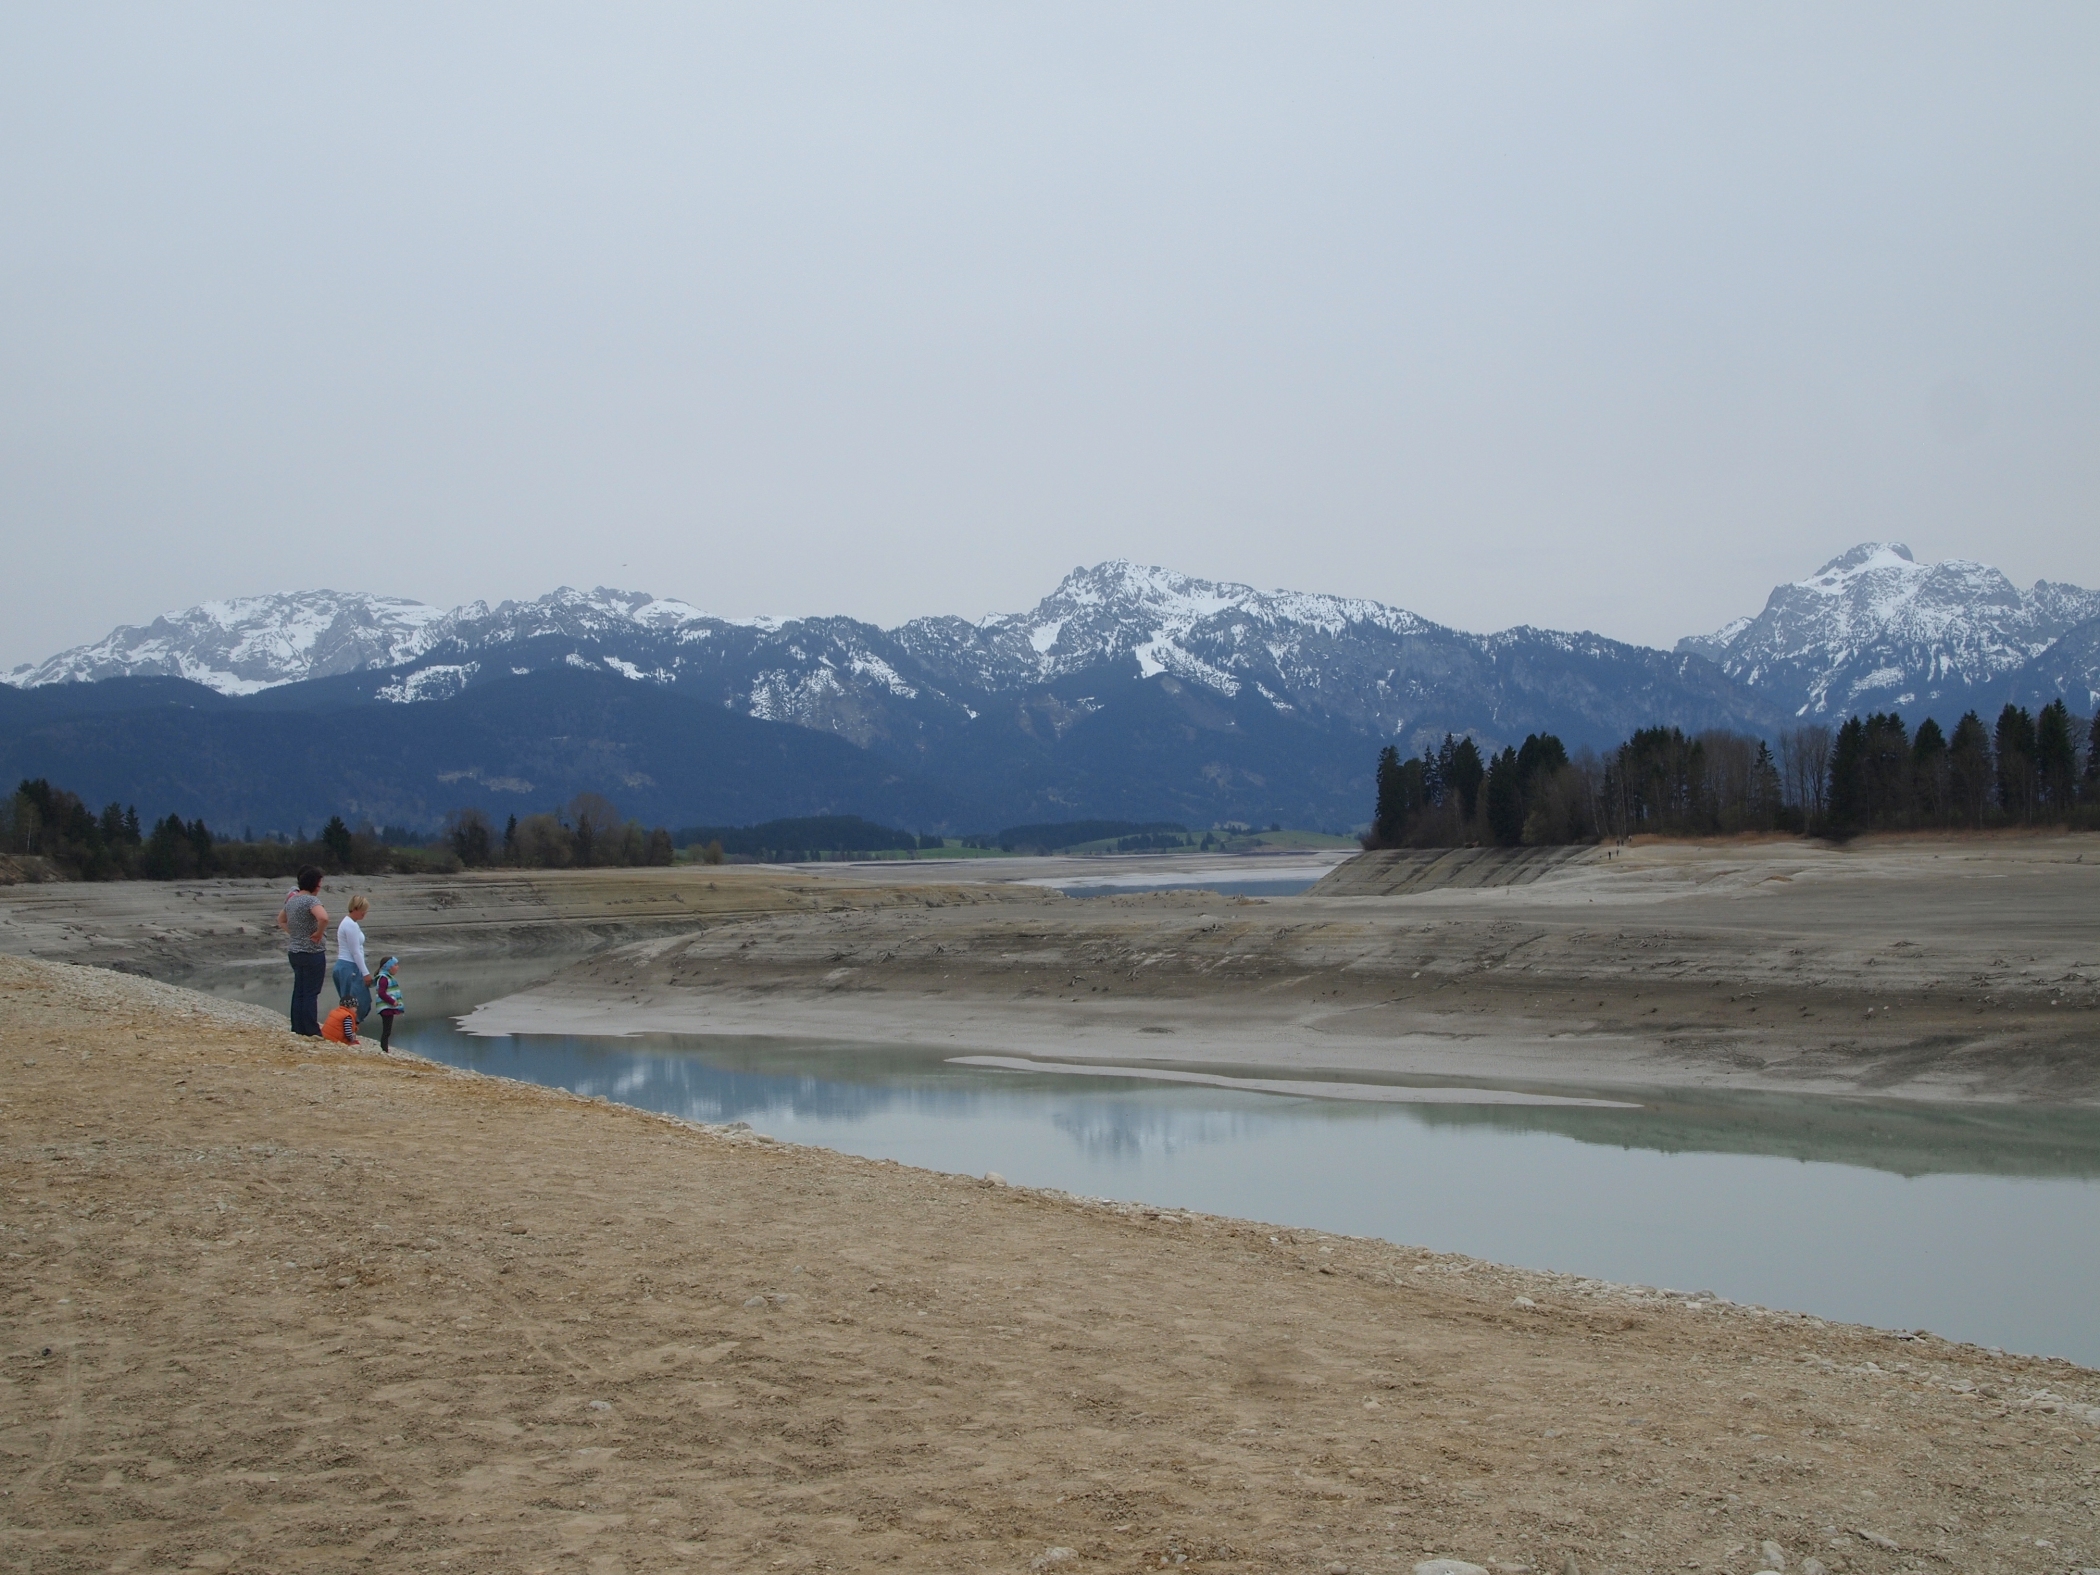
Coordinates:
(305, 925)
(388, 989)
(353, 979)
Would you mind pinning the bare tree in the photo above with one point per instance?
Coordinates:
(1804, 770)
(1728, 760)
(596, 826)
(544, 843)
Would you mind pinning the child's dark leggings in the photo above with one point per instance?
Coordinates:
(386, 1030)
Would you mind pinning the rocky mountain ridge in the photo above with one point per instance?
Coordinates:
(1349, 661)
(1047, 709)
(1874, 629)
(1128, 693)
(250, 643)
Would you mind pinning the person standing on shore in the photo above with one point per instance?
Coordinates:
(388, 989)
(305, 925)
(353, 979)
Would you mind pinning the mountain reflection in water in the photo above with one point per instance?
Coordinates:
(1979, 1223)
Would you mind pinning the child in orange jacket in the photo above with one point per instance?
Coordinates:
(342, 1024)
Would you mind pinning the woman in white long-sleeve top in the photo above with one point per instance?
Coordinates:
(353, 979)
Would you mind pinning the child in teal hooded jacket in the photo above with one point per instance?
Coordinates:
(386, 990)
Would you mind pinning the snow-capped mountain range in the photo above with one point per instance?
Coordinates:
(1128, 692)
(1111, 612)
(1875, 629)
(1372, 667)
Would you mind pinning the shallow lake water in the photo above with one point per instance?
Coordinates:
(1979, 1224)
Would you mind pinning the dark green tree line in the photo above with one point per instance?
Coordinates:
(2024, 770)
(53, 827)
(1870, 774)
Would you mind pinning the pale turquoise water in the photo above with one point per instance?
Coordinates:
(1978, 1225)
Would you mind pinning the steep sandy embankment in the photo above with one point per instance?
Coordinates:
(271, 1304)
(184, 931)
(1945, 970)
(1403, 872)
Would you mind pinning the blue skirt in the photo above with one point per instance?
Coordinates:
(350, 987)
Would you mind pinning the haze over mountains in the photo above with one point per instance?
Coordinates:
(1128, 691)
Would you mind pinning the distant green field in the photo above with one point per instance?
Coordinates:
(1221, 842)
(1255, 841)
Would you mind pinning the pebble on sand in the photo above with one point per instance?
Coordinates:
(1775, 1557)
(1448, 1567)
(1054, 1558)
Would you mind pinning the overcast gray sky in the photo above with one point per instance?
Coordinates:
(1597, 316)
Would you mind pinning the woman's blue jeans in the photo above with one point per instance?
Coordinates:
(308, 970)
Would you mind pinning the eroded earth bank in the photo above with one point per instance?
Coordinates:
(1933, 969)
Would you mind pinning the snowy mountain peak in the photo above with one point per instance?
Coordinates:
(251, 643)
(1867, 555)
(1168, 622)
(1874, 627)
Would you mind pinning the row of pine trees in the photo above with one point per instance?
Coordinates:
(1871, 774)
(53, 825)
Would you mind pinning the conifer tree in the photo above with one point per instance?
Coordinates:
(1848, 779)
(1464, 774)
(1971, 773)
(468, 832)
(1505, 799)
(2014, 746)
(1928, 773)
(335, 837)
(2055, 758)
(1541, 755)
(1887, 768)
(1389, 815)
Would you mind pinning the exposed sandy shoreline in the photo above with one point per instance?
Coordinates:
(1936, 970)
(1948, 970)
(277, 1305)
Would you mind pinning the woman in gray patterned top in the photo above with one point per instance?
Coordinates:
(305, 925)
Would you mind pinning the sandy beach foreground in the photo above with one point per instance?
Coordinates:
(270, 1305)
